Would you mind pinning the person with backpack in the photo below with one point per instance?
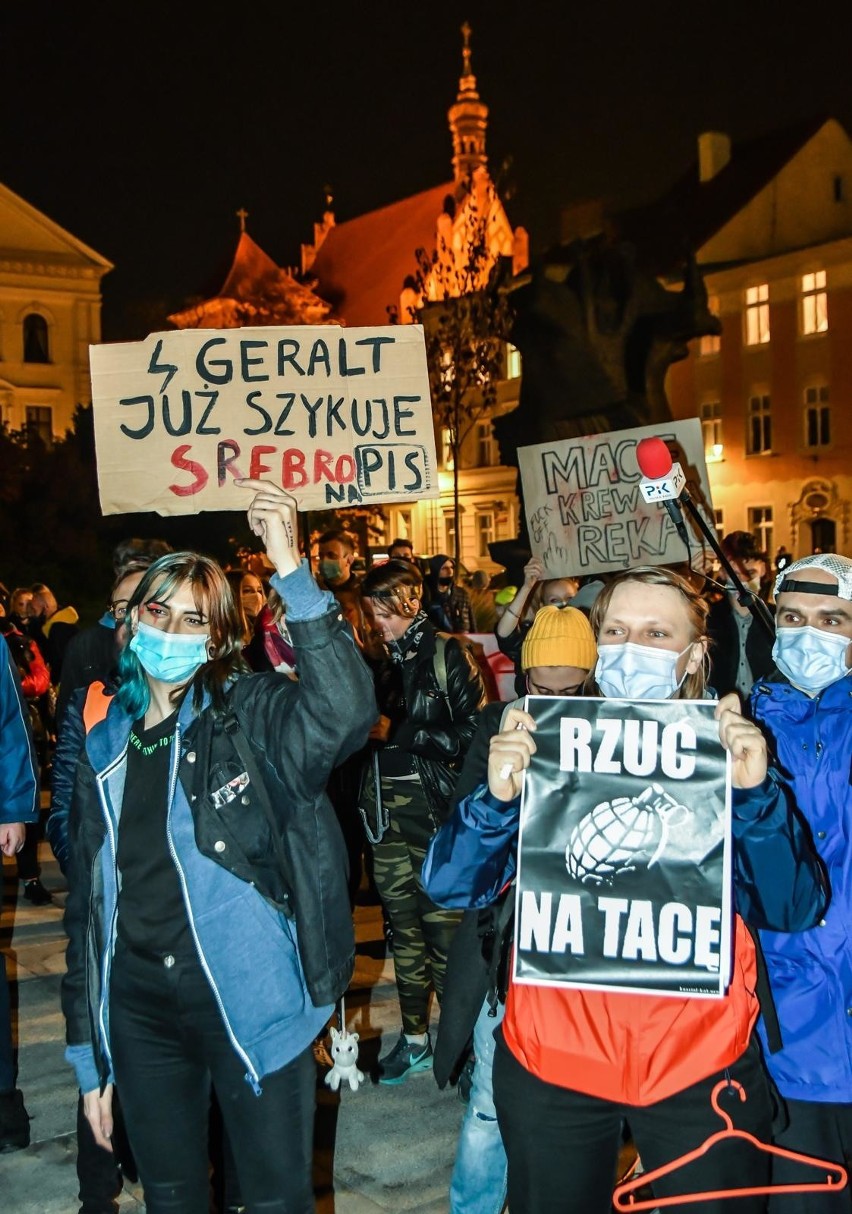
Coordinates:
(429, 691)
(208, 920)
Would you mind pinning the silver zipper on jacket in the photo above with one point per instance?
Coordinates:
(252, 1076)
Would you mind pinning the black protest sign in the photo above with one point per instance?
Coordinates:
(625, 848)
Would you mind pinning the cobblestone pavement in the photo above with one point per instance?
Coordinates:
(378, 1150)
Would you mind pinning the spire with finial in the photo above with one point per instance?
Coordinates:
(242, 215)
(468, 118)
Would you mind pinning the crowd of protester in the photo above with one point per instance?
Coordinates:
(231, 757)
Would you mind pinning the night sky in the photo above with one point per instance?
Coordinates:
(142, 128)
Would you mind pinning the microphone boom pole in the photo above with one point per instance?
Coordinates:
(754, 602)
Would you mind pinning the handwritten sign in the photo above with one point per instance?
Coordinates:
(335, 416)
(585, 512)
(624, 861)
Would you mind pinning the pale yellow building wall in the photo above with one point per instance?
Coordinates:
(45, 270)
(797, 209)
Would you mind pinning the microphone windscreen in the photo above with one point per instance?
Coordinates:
(654, 458)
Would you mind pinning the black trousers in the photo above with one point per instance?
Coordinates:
(562, 1145)
(169, 1046)
(823, 1130)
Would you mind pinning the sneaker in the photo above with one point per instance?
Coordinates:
(14, 1122)
(35, 892)
(406, 1058)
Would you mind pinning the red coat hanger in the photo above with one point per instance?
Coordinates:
(835, 1176)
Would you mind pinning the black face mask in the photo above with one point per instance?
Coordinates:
(445, 581)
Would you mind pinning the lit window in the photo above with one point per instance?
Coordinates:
(711, 429)
(447, 369)
(711, 343)
(484, 533)
(36, 343)
(817, 417)
(814, 303)
(450, 534)
(447, 447)
(486, 453)
(760, 525)
(39, 424)
(759, 426)
(757, 315)
(513, 362)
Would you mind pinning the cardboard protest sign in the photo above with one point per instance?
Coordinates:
(624, 863)
(585, 512)
(335, 416)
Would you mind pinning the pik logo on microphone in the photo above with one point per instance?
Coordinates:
(664, 488)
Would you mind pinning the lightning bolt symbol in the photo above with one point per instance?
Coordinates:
(155, 365)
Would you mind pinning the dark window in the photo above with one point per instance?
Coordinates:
(36, 344)
(40, 424)
(759, 425)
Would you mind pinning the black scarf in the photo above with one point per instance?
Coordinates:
(408, 644)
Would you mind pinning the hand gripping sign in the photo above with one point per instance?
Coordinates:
(337, 417)
(625, 849)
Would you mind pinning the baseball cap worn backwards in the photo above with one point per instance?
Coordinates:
(559, 636)
(795, 577)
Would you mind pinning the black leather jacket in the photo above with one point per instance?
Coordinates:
(434, 729)
(298, 732)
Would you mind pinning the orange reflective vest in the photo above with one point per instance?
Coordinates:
(95, 705)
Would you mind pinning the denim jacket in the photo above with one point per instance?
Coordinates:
(249, 950)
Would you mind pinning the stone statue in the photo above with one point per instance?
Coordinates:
(597, 332)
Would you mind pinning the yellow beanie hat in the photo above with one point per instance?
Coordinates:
(559, 636)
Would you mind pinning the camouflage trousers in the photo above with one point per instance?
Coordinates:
(422, 931)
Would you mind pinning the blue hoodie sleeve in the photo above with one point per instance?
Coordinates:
(302, 597)
(779, 881)
(472, 856)
(19, 779)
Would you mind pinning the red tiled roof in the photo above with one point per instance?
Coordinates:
(362, 263)
(254, 289)
(249, 268)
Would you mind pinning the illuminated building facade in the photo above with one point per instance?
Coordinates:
(771, 223)
(50, 313)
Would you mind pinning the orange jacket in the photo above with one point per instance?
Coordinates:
(632, 1049)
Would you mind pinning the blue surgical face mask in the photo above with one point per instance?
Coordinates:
(637, 672)
(810, 658)
(330, 570)
(171, 657)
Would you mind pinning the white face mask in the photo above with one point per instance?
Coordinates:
(810, 658)
(638, 672)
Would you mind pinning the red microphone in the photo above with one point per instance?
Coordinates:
(654, 458)
(663, 480)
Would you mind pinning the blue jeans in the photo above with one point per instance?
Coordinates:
(478, 1185)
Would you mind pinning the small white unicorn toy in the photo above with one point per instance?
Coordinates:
(344, 1051)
